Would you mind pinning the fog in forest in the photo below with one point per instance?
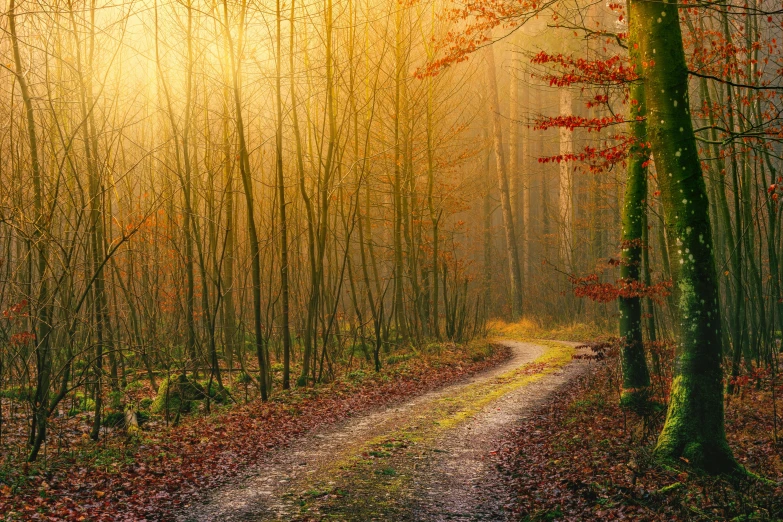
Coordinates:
(264, 196)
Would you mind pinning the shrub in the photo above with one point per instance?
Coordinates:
(242, 378)
(177, 395)
(115, 400)
(81, 403)
(356, 375)
(18, 393)
(214, 391)
(114, 419)
(134, 386)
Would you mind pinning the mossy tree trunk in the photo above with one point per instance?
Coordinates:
(694, 427)
(636, 377)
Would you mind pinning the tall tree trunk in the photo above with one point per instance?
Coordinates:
(516, 183)
(399, 279)
(311, 250)
(43, 356)
(526, 186)
(565, 194)
(99, 301)
(434, 216)
(487, 236)
(694, 427)
(649, 307)
(247, 183)
(227, 277)
(505, 196)
(739, 330)
(187, 193)
(636, 377)
(283, 223)
(513, 149)
(183, 175)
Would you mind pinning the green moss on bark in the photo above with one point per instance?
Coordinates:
(636, 376)
(694, 427)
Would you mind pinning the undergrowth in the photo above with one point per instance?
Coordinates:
(532, 328)
(129, 477)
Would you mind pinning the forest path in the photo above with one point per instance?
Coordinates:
(423, 459)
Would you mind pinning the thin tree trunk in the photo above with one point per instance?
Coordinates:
(308, 329)
(636, 377)
(247, 182)
(513, 150)
(505, 196)
(525, 184)
(99, 302)
(283, 223)
(399, 305)
(42, 329)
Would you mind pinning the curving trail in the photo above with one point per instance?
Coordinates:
(424, 459)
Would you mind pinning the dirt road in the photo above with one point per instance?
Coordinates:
(424, 459)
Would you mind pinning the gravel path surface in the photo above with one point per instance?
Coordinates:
(459, 482)
(454, 484)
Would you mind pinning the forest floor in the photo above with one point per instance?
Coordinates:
(583, 458)
(153, 473)
(506, 429)
(429, 458)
